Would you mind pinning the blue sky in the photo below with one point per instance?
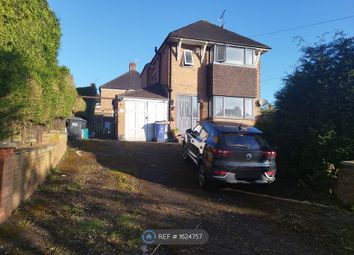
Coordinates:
(100, 37)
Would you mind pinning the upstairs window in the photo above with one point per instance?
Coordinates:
(234, 55)
(220, 53)
(188, 58)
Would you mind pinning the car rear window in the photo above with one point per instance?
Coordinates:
(249, 141)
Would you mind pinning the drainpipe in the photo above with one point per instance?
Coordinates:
(169, 82)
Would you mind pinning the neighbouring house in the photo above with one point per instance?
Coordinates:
(104, 123)
(126, 82)
(200, 71)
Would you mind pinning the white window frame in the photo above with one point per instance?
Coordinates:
(223, 107)
(245, 49)
(185, 58)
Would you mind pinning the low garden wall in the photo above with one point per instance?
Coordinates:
(22, 170)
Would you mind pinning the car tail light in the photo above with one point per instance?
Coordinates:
(215, 139)
(221, 153)
(220, 173)
(270, 173)
(270, 154)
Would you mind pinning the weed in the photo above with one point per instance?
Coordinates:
(73, 210)
(125, 181)
(55, 170)
(48, 188)
(25, 223)
(93, 225)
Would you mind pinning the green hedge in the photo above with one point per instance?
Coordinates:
(312, 124)
(33, 88)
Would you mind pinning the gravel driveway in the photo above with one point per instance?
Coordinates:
(105, 193)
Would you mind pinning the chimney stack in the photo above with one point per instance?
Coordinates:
(132, 66)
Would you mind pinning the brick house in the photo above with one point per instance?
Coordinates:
(201, 70)
(126, 82)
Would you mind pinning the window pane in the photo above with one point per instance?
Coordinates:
(248, 108)
(195, 107)
(233, 107)
(220, 55)
(247, 141)
(188, 58)
(218, 106)
(235, 55)
(249, 56)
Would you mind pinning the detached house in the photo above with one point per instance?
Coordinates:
(201, 70)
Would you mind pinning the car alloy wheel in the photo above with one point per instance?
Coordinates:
(203, 179)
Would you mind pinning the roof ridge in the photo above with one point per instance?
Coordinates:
(205, 30)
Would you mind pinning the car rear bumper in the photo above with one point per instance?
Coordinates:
(232, 178)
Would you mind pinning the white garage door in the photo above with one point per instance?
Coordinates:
(140, 116)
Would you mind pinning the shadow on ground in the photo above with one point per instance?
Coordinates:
(105, 193)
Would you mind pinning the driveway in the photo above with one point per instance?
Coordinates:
(106, 193)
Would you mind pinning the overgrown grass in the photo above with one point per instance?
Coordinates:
(125, 181)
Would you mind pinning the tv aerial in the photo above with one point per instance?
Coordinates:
(221, 18)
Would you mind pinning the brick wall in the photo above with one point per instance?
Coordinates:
(230, 80)
(121, 120)
(106, 104)
(22, 170)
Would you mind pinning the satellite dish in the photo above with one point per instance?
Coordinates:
(262, 102)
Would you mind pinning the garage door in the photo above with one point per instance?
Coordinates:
(140, 116)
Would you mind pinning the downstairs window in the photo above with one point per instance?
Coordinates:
(233, 107)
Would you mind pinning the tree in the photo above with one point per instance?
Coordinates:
(90, 102)
(312, 123)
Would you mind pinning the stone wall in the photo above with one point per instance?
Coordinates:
(22, 170)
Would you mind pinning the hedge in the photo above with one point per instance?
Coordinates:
(33, 87)
(312, 124)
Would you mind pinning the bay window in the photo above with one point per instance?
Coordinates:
(232, 107)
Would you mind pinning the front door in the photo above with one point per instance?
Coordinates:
(187, 113)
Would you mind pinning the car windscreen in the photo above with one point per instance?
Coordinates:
(248, 141)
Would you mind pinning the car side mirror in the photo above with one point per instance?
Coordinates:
(189, 131)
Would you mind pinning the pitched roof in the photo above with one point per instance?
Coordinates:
(156, 91)
(203, 30)
(129, 80)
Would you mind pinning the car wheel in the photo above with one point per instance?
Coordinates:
(203, 179)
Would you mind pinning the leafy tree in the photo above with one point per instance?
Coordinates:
(312, 124)
(90, 102)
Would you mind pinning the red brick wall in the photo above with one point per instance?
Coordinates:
(22, 170)
(234, 80)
